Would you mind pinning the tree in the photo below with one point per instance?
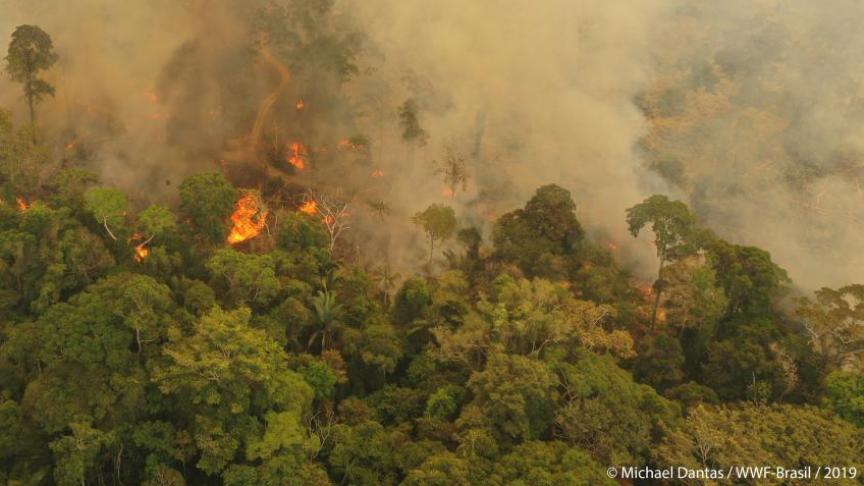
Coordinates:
(844, 394)
(208, 199)
(439, 223)
(543, 238)
(453, 170)
(726, 436)
(31, 51)
(409, 121)
(835, 323)
(334, 212)
(108, 206)
(673, 226)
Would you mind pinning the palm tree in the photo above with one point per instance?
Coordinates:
(327, 312)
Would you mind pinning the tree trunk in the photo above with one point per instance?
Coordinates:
(431, 248)
(657, 291)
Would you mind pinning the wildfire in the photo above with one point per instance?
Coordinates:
(152, 97)
(661, 315)
(448, 193)
(612, 246)
(71, 145)
(298, 156)
(328, 220)
(248, 219)
(309, 207)
(22, 204)
(300, 105)
(141, 252)
(378, 173)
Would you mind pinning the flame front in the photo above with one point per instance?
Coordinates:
(248, 219)
(309, 207)
(378, 173)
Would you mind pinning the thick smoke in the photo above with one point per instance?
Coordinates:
(756, 113)
(748, 110)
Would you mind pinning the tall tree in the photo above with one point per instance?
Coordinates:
(439, 223)
(673, 226)
(31, 51)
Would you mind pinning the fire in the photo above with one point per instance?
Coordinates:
(661, 315)
(298, 156)
(22, 204)
(248, 219)
(328, 220)
(448, 193)
(71, 145)
(612, 246)
(152, 97)
(309, 207)
(141, 252)
(378, 173)
(300, 104)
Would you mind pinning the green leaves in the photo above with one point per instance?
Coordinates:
(108, 207)
(439, 223)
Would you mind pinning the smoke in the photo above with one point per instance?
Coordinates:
(747, 110)
(756, 114)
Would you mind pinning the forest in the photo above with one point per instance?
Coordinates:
(271, 267)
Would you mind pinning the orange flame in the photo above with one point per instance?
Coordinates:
(378, 173)
(22, 204)
(300, 104)
(661, 315)
(71, 145)
(248, 219)
(328, 220)
(309, 207)
(448, 193)
(141, 252)
(298, 156)
(612, 246)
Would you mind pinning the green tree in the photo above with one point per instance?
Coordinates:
(844, 394)
(208, 199)
(542, 238)
(835, 323)
(31, 51)
(673, 227)
(108, 206)
(439, 223)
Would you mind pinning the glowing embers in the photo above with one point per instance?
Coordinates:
(248, 220)
(378, 173)
(141, 250)
(22, 204)
(298, 157)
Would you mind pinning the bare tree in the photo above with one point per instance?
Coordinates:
(334, 214)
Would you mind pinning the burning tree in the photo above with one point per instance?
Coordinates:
(153, 221)
(249, 218)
